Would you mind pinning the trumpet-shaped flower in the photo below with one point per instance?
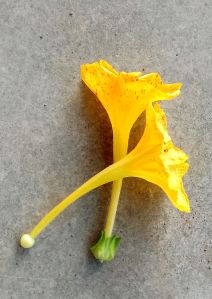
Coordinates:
(124, 96)
(154, 159)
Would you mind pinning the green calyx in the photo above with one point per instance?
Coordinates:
(106, 247)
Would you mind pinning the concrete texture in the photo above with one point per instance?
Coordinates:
(54, 135)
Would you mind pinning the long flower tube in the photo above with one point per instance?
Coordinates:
(154, 159)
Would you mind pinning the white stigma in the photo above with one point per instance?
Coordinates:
(27, 241)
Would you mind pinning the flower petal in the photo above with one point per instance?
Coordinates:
(99, 77)
(157, 160)
(125, 95)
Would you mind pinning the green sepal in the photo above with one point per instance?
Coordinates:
(106, 247)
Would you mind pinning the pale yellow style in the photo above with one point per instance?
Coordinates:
(154, 159)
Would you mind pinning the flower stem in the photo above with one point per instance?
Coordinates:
(120, 145)
(113, 205)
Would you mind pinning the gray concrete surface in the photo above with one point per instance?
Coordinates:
(54, 135)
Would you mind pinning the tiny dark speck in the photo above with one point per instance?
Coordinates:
(44, 105)
(41, 37)
(16, 264)
(143, 70)
(176, 54)
(70, 14)
(209, 268)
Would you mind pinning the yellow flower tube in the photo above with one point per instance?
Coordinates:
(124, 96)
(154, 159)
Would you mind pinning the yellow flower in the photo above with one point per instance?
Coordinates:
(125, 96)
(154, 159)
